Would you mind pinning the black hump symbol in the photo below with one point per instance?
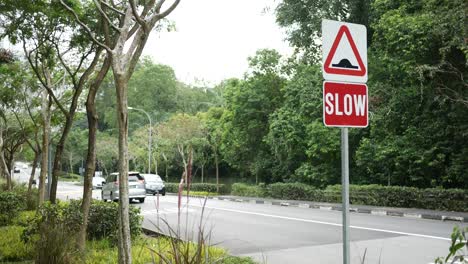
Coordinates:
(344, 63)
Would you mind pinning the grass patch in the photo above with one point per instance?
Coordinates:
(12, 248)
(70, 177)
(144, 248)
(144, 251)
(201, 193)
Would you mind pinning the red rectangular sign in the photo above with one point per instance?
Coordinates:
(345, 104)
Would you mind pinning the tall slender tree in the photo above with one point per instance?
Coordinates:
(126, 21)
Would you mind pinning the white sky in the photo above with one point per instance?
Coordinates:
(214, 38)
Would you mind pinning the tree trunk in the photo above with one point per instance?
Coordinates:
(155, 161)
(45, 145)
(58, 157)
(9, 161)
(202, 172)
(70, 163)
(91, 154)
(3, 165)
(217, 171)
(33, 171)
(124, 245)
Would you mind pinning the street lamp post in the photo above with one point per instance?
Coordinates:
(150, 135)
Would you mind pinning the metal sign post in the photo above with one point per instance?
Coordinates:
(345, 98)
(345, 192)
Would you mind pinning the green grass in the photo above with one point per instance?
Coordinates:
(144, 248)
(12, 248)
(144, 251)
(69, 177)
(200, 193)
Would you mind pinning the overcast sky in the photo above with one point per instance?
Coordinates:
(213, 38)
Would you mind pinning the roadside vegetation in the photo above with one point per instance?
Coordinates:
(45, 234)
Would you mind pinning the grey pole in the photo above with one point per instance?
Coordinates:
(345, 192)
(150, 135)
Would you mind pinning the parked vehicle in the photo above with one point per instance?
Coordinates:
(154, 184)
(98, 182)
(136, 187)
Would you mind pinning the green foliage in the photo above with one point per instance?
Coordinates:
(102, 221)
(458, 247)
(146, 250)
(303, 21)
(292, 191)
(243, 189)
(11, 203)
(196, 187)
(375, 195)
(24, 218)
(249, 103)
(12, 248)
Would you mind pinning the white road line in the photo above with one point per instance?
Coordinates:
(323, 223)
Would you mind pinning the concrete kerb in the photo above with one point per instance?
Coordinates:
(354, 209)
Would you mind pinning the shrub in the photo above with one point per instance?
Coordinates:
(10, 205)
(242, 189)
(376, 195)
(103, 220)
(196, 187)
(292, 191)
(24, 218)
(12, 248)
(397, 196)
(146, 249)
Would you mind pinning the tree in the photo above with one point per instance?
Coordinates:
(303, 21)
(132, 21)
(249, 104)
(212, 122)
(182, 133)
(58, 55)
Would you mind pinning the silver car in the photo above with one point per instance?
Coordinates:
(136, 187)
(154, 184)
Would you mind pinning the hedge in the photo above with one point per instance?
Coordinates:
(375, 195)
(196, 187)
(11, 203)
(242, 189)
(102, 219)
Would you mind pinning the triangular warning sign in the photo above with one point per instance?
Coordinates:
(344, 67)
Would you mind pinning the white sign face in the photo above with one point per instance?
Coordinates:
(344, 48)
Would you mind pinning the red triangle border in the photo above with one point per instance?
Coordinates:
(344, 30)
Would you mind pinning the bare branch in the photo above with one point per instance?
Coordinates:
(137, 17)
(104, 15)
(72, 75)
(168, 11)
(86, 28)
(90, 69)
(28, 56)
(159, 5)
(112, 8)
(141, 39)
(145, 11)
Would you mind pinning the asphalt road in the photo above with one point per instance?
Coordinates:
(274, 234)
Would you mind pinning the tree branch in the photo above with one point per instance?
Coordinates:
(104, 15)
(135, 14)
(112, 8)
(168, 11)
(86, 28)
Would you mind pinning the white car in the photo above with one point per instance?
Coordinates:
(97, 182)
